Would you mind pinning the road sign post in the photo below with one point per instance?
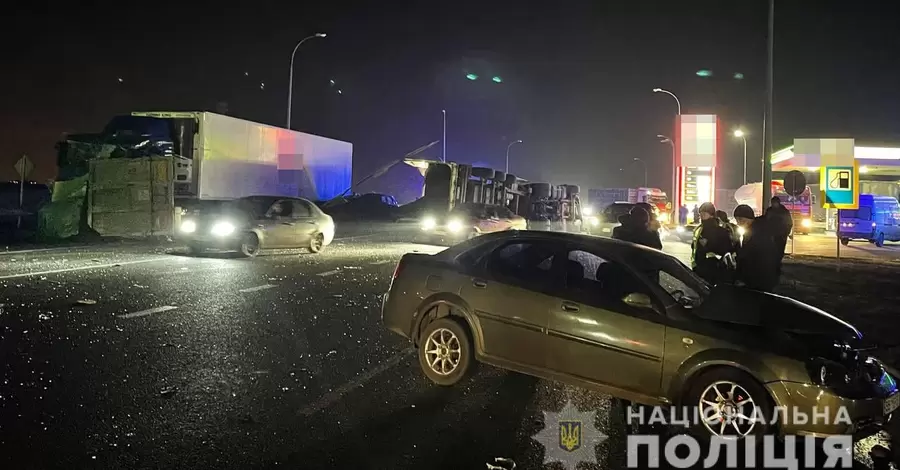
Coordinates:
(23, 167)
(794, 186)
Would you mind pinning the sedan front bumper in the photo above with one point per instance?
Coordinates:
(228, 243)
(813, 410)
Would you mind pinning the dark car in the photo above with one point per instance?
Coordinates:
(362, 207)
(638, 324)
(255, 223)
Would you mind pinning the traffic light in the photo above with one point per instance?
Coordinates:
(472, 76)
(497, 79)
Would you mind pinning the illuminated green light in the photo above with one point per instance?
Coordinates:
(738, 76)
(472, 76)
(497, 79)
(704, 73)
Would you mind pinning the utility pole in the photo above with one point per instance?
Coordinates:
(767, 120)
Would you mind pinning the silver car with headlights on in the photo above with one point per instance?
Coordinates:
(250, 224)
(470, 220)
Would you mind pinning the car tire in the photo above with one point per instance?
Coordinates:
(317, 243)
(447, 341)
(845, 241)
(879, 240)
(249, 245)
(194, 249)
(748, 393)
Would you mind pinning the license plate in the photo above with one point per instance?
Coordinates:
(891, 403)
(606, 230)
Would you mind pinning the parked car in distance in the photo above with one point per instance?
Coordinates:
(375, 207)
(608, 218)
(250, 224)
(638, 324)
(468, 221)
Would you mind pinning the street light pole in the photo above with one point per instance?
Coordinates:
(740, 134)
(767, 129)
(666, 140)
(672, 143)
(444, 138)
(507, 153)
(677, 101)
(291, 75)
(644, 164)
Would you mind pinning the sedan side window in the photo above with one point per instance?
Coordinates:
(527, 264)
(280, 209)
(593, 280)
(300, 210)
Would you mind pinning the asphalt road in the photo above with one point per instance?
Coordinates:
(129, 356)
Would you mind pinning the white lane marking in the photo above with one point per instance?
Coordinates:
(329, 273)
(333, 397)
(149, 311)
(41, 250)
(81, 268)
(386, 261)
(258, 288)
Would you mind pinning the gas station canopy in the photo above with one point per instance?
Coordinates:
(881, 161)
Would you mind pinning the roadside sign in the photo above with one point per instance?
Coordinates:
(24, 167)
(794, 183)
(841, 187)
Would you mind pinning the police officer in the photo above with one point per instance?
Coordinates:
(732, 228)
(710, 244)
(757, 260)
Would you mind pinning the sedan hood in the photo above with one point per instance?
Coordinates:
(742, 306)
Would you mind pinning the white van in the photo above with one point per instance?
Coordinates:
(876, 220)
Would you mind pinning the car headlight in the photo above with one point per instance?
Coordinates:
(679, 229)
(587, 211)
(595, 221)
(188, 226)
(806, 223)
(455, 225)
(222, 229)
(429, 223)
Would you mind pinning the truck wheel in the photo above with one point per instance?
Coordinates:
(879, 241)
(250, 245)
(845, 241)
(317, 244)
(446, 354)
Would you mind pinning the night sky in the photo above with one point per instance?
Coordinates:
(577, 76)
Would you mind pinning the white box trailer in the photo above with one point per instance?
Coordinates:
(222, 157)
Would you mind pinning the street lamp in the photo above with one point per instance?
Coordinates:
(741, 135)
(507, 153)
(444, 138)
(291, 75)
(677, 101)
(644, 164)
(667, 140)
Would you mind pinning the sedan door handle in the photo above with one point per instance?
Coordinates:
(479, 283)
(287, 223)
(570, 307)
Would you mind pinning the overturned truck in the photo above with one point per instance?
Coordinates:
(544, 205)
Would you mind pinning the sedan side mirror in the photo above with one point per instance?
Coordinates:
(638, 300)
